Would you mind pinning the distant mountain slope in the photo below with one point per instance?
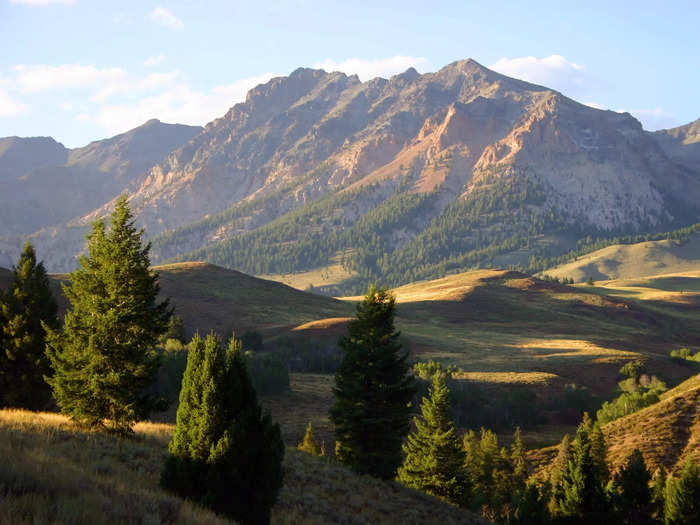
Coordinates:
(682, 144)
(43, 184)
(407, 178)
(629, 261)
(5, 278)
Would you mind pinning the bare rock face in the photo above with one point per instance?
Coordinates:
(681, 144)
(452, 133)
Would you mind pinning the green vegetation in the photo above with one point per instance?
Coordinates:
(631, 493)
(685, 354)
(27, 309)
(224, 453)
(373, 390)
(682, 505)
(434, 461)
(639, 390)
(104, 357)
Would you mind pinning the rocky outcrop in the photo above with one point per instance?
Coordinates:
(300, 138)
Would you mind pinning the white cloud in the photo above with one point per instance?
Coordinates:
(653, 119)
(33, 79)
(82, 117)
(154, 60)
(179, 103)
(42, 2)
(8, 106)
(66, 106)
(158, 80)
(554, 72)
(368, 69)
(164, 17)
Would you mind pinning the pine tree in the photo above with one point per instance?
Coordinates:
(556, 472)
(658, 491)
(175, 330)
(104, 358)
(224, 454)
(532, 505)
(434, 460)
(599, 453)
(683, 496)
(309, 444)
(23, 308)
(632, 496)
(373, 390)
(517, 458)
(581, 498)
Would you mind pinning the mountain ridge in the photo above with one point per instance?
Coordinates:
(427, 150)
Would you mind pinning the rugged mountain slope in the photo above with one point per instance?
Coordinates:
(682, 144)
(408, 177)
(629, 261)
(43, 184)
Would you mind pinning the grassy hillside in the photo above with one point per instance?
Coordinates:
(506, 322)
(627, 261)
(55, 473)
(666, 433)
(209, 297)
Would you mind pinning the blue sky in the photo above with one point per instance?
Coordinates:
(80, 70)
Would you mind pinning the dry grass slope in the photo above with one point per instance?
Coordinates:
(628, 261)
(55, 473)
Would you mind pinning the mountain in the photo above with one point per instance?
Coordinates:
(399, 179)
(42, 183)
(682, 144)
(629, 261)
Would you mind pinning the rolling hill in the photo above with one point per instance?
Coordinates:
(629, 261)
(56, 473)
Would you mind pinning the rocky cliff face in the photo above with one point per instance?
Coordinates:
(682, 144)
(452, 135)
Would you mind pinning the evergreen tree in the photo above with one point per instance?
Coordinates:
(434, 460)
(556, 472)
(517, 458)
(582, 497)
(683, 497)
(175, 330)
(373, 390)
(532, 505)
(104, 358)
(658, 492)
(599, 454)
(224, 454)
(23, 308)
(309, 444)
(631, 494)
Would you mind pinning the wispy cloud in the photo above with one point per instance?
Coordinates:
(554, 72)
(33, 79)
(42, 2)
(164, 17)
(372, 68)
(154, 60)
(9, 106)
(177, 103)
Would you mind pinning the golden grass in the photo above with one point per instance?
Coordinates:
(633, 260)
(53, 472)
(511, 378)
(328, 275)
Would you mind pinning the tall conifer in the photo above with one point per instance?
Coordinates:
(224, 452)
(582, 496)
(683, 496)
(373, 390)
(23, 308)
(631, 494)
(104, 357)
(434, 460)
